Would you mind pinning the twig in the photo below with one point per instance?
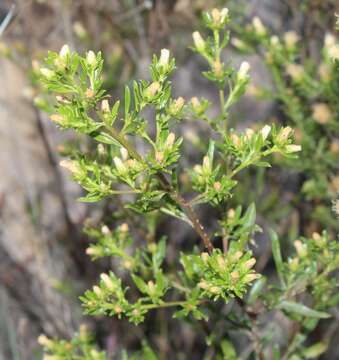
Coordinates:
(185, 206)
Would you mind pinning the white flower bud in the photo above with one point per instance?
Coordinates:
(329, 40)
(243, 70)
(274, 41)
(292, 148)
(47, 73)
(105, 230)
(322, 114)
(291, 38)
(164, 57)
(258, 26)
(170, 140)
(265, 131)
(65, 51)
(119, 165)
(97, 291)
(105, 106)
(124, 153)
(199, 42)
(91, 58)
(107, 281)
(295, 71)
(71, 166)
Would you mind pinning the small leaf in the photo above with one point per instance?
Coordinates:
(277, 255)
(106, 139)
(315, 350)
(141, 285)
(127, 100)
(256, 290)
(303, 310)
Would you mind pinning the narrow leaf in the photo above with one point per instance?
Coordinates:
(277, 255)
(303, 310)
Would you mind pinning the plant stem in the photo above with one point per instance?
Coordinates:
(185, 206)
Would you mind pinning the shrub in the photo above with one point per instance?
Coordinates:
(212, 282)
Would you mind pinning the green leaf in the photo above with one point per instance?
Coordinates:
(303, 310)
(228, 350)
(127, 100)
(106, 139)
(139, 282)
(277, 255)
(148, 353)
(248, 221)
(256, 290)
(315, 350)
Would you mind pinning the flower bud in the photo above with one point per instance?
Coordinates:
(293, 264)
(295, 71)
(195, 104)
(243, 70)
(152, 90)
(105, 230)
(265, 131)
(221, 262)
(57, 118)
(97, 291)
(107, 281)
(238, 44)
(329, 40)
(197, 169)
(258, 26)
(250, 277)
(89, 93)
(124, 227)
(234, 275)
(91, 58)
(151, 287)
(235, 140)
(291, 38)
(120, 166)
(124, 153)
(127, 264)
(300, 248)
(47, 73)
(215, 290)
(231, 214)
(292, 148)
(199, 42)
(71, 166)
(177, 106)
(249, 133)
(159, 156)
(274, 41)
(44, 341)
(117, 309)
(105, 106)
(164, 57)
(250, 263)
(203, 285)
(217, 186)
(321, 113)
(170, 140)
(204, 257)
(236, 256)
(217, 67)
(65, 52)
(91, 251)
(284, 134)
(206, 164)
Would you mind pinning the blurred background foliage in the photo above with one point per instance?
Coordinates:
(43, 266)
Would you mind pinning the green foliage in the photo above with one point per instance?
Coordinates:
(147, 180)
